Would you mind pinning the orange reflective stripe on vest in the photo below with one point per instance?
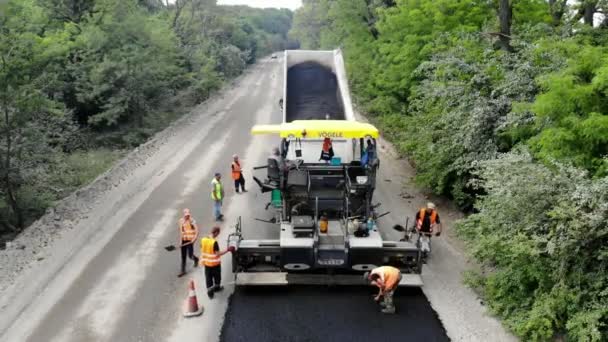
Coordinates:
(236, 170)
(208, 256)
(188, 231)
(421, 217)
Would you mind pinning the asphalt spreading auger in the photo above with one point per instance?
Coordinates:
(321, 185)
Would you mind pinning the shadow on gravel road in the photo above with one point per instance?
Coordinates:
(307, 313)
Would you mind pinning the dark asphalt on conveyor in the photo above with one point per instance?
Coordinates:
(141, 306)
(311, 314)
(313, 93)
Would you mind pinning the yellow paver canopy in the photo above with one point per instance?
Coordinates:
(319, 129)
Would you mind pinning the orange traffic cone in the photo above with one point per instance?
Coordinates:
(191, 308)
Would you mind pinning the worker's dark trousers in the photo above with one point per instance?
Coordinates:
(213, 277)
(188, 251)
(241, 182)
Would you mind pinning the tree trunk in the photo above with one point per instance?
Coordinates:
(505, 14)
(557, 9)
(178, 10)
(10, 194)
(590, 9)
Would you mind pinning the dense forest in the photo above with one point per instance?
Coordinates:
(501, 105)
(83, 80)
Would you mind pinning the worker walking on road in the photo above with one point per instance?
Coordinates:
(237, 174)
(210, 254)
(387, 279)
(427, 220)
(188, 232)
(217, 195)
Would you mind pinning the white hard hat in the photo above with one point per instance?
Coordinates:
(234, 156)
(430, 205)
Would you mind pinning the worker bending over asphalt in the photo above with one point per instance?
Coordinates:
(387, 279)
(188, 233)
(210, 258)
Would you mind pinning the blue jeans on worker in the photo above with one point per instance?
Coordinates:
(217, 209)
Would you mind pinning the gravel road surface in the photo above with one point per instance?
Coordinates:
(95, 269)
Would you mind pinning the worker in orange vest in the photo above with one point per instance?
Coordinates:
(237, 174)
(427, 220)
(210, 259)
(387, 279)
(188, 234)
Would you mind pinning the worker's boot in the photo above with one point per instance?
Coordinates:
(388, 306)
(195, 260)
(183, 270)
(389, 310)
(210, 293)
(218, 288)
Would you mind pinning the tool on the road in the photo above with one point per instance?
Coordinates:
(170, 248)
(191, 307)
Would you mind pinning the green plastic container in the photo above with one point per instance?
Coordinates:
(275, 198)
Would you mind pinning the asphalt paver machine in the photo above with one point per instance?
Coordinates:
(329, 226)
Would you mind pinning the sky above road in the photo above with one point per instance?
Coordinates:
(291, 4)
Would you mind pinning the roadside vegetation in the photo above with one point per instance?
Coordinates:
(82, 81)
(501, 105)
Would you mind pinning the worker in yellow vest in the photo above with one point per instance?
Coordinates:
(210, 259)
(237, 174)
(427, 220)
(387, 279)
(188, 233)
(217, 195)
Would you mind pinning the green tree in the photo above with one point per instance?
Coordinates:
(571, 111)
(34, 124)
(542, 232)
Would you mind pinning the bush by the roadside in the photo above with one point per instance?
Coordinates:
(542, 233)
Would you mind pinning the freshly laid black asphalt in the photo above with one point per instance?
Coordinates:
(307, 313)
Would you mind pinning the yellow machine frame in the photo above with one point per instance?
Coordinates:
(318, 129)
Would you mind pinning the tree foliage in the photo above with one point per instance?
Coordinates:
(501, 105)
(542, 231)
(82, 78)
